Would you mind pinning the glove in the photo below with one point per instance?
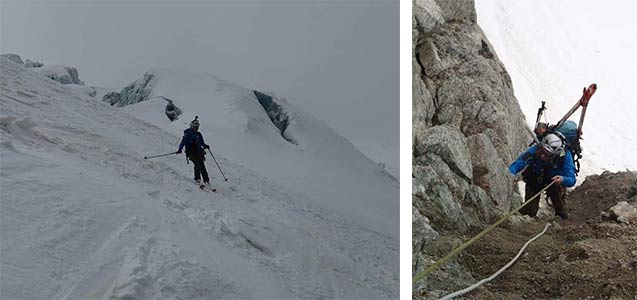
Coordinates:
(178, 151)
(206, 147)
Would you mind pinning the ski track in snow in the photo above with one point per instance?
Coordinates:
(84, 216)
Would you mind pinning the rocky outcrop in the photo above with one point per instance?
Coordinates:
(467, 125)
(172, 111)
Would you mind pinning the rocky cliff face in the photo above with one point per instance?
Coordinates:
(467, 127)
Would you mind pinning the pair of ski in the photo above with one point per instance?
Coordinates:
(206, 188)
(582, 102)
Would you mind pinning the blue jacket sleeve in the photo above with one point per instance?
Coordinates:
(567, 171)
(521, 162)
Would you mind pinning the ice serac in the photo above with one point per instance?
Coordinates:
(135, 92)
(61, 74)
(467, 124)
(277, 115)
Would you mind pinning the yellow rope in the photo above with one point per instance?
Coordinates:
(475, 238)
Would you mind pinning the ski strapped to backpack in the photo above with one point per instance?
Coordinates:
(570, 132)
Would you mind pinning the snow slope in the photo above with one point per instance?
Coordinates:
(83, 216)
(316, 162)
(552, 49)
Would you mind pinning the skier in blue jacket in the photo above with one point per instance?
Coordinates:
(195, 151)
(549, 161)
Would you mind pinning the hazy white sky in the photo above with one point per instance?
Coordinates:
(337, 59)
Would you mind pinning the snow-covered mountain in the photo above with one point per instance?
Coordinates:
(303, 215)
(271, 136)
(553, 49)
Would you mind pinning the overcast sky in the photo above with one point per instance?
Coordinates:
(336, 59)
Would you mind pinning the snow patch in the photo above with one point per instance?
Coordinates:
(157, 269)
(17, 126)
(88, 91)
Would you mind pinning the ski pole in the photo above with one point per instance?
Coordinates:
(171, 153)
(213, 158)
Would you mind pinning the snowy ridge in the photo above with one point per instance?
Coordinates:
(84, 216)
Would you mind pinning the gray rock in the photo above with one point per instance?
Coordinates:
(429, 57)
(456, 183)
(623, 212)
(450, 145)
(13, 57)
(458, 10)
(450, 115)
(427, 14)
(423, 104)
(434, 198)
(488, 173)
(421, 233)
(172, 111)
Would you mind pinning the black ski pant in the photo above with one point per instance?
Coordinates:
(200, 168)
(555, 193)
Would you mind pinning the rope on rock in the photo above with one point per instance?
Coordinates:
(483, 281)
(453, 253)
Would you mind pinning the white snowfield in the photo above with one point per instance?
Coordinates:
(84, 216)
(553, 49)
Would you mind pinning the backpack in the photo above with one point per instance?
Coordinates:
(192, 147)
(569, 131)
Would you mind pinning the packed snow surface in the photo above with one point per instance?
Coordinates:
(84, 216)
(553, 49)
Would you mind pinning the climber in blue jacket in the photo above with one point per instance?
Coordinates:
(195, 151)
(544, 163)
